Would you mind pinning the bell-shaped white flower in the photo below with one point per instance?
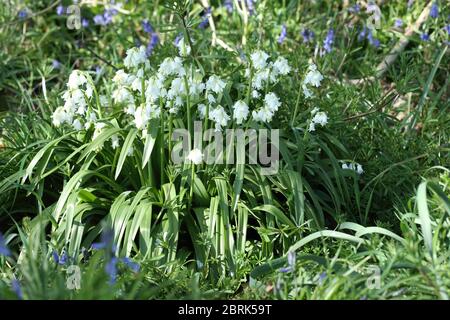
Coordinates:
(195, 156)
(240, 111)
(259, 59)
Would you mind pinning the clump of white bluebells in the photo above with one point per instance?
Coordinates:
(312, 78)
(265, 73)
(353, 166)
(146, 92)
(319, 118)
(77, 110)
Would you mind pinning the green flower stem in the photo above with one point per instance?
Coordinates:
(161, 147)
(297, 102)
(170, 134)
(188, 111)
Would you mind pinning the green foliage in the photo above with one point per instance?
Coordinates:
(225, 230)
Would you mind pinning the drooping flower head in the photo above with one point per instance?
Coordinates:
(146, 26)
(356, 8)
(250, 6)
(84, 23)
(425, 37)
(434, 11)
(220, 117)
(241, 111)
(259, 59)
(283, 34)
(107, 241)
(205, 19)
(329, 40)
(195, 156)
(308, 35)
(134, 266)
(228, 4)
(215, 84)
(111, 270)
(372, 40)
(154, 40)
(135, 57)
(60, 259)
(319, 118)
(60, 10)
(56, 64)
(398, 23)
(22, 14)
(106, 17)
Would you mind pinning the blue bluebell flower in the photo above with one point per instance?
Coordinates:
(283, 34)
(410, 3)
(22, 14)
(178, 39)
(250, 6)
(363, 33)
(4, 251)
(228, 4)
(154, 40)
(355, 8)
(372, 40)
(308, 35)
(15, 286)
(60, 10)
(434, 11)
(366, 33)
(62, 260)
(398, 23)
(111, 270)
(329, 40)
(110, 13)
(55, 256)
(105, 18)
(134, 266)
(99, 20)
(205, 17)
(146, 26)
(447, 28)
(56, 64)
(425, 37)
(107, 241)
(84, 23)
